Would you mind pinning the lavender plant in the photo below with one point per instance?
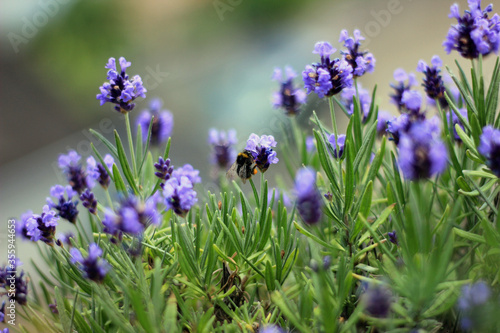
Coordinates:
(392, 226)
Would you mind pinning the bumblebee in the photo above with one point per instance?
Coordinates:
(244, 167)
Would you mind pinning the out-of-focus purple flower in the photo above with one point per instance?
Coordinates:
(121, 90)
(412, 101)
(289, 98)
(64, 238)
(471, 303)
(179, 195)
(455, 120)
(393, 237)
(361, 62)
(187, 171)
(433, 81)
(475, 32)
(398, 126)
(163, 123)
(328, 77)
(340, 143)
(71, 167)
(401, 86)
(164, 169)
(489, 147)
(97, 172)
(383, 119)
(42, 227)
(93, 266)
(89, 201)
(309, 201)
(65, 207)
(377, 300)
(10, 280)
(262, 151)
(310, 144)
(421, 153)
(132, 217)
(365, 100)
(21, 229)
(223, 153)
(327, 262)
(272, 329)
(277, 195)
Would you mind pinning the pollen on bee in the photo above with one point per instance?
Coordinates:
(254, 171)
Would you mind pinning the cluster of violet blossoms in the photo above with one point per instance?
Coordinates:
(163, 123)
(223, 153)
(309, 200)
(121, 90)
(177, 185)
(262, 150)
(7, 274)
(289, 98)
(422, 154)
(93, 266)
(330, 76)
(476, 33)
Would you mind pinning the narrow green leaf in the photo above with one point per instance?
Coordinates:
(119, 184)
(125, 165)
(334, 246)
(469, 235)
(106, 142)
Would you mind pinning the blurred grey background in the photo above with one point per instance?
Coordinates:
(210, 62)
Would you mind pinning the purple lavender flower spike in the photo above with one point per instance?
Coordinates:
(393, 237)
(163, 169)
(489, 147)
(97, 172)
(400, 87)
(421, 153)
(340, 143)
(223, 153)
(20, 285)
(163, 123)
(93, 266)
(179, 195)
(328, 77)
(365, 100)
(132, 217)
(309, 201)
(89, 201)
(377, 300)
(71, 167)
(475, 33)
(289, 98)
(262, 151)
(42, 227)
(65, 206)
(433, 81)
(361, 62)
(120, 90)
(187, 171)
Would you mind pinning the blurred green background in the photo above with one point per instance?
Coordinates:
(210, 62)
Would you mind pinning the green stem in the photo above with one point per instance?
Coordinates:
(130, 143)
(336, 132)
(108, 197)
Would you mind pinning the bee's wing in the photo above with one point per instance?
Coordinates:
(232, 173)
